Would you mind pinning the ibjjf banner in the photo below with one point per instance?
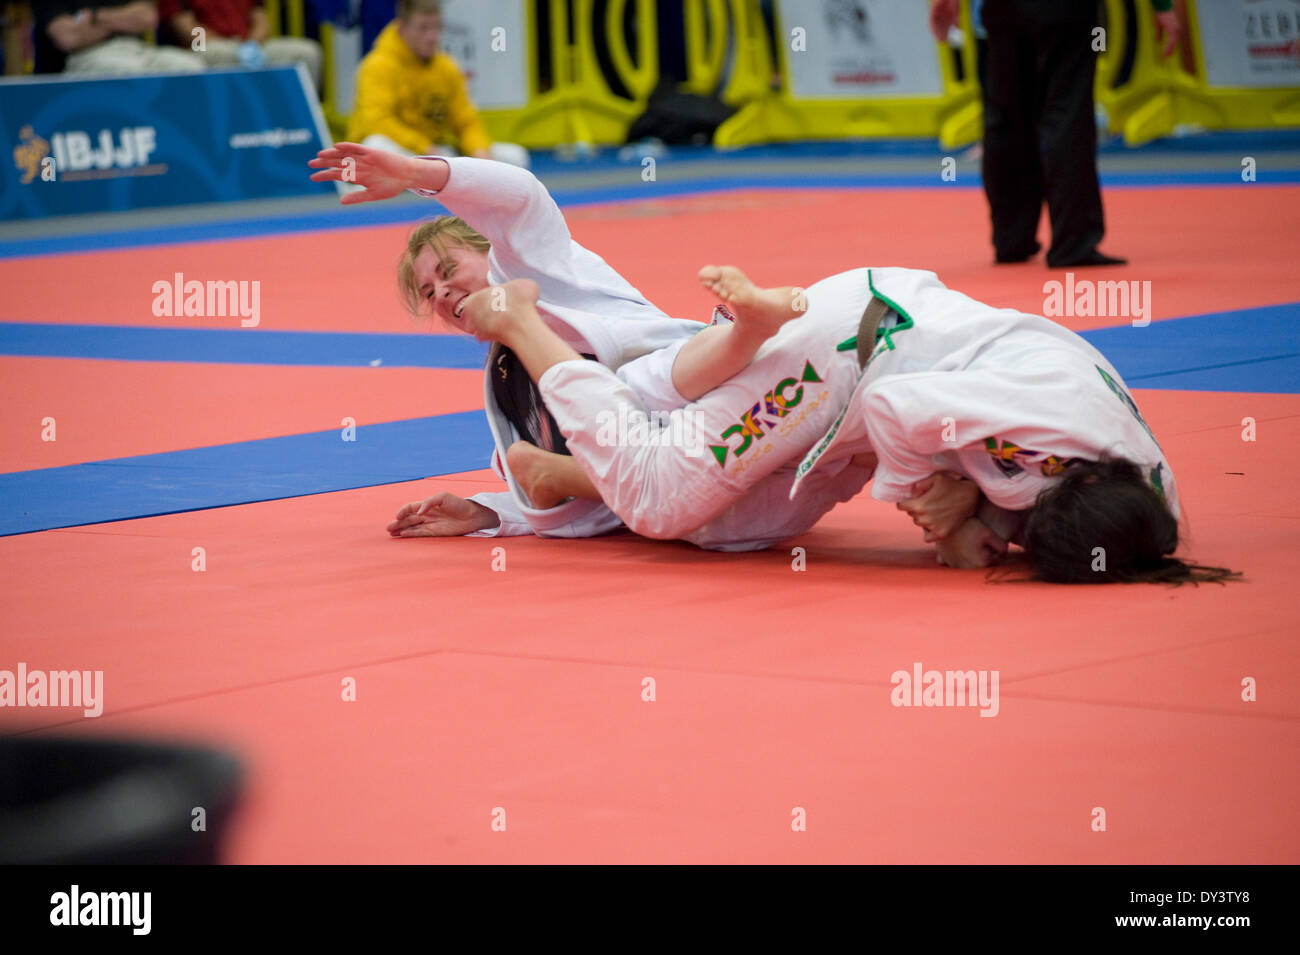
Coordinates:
(858, 49)
(1250, 43)
(487, 39)
(113, 144)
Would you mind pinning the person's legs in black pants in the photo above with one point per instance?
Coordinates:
(1068, 131)
(1012, 167)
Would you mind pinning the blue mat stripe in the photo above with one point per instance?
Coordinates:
(1265, 376)
(252, 346)
(1218, 345)
(1252, 350)
(381, 213)
(242, 473)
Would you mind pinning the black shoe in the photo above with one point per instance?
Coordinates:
(1091, 258)
(1021, 255)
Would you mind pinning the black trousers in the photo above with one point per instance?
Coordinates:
(1040, 134)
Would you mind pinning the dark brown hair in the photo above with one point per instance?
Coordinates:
(1103, 522)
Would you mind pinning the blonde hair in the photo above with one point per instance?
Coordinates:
(436, 234)
(406, 8)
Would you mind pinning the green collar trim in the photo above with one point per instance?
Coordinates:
(903, 325)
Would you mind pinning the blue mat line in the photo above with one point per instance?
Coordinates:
(242, 473)
(252, 346)
(1270, 376)
(381, 213)
(1176, 346)
(1246, 350)
(1251, 350)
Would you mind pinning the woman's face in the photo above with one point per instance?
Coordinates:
(445, 283)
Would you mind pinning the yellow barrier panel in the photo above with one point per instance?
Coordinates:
(580, 107)
(272, 8)
(297, 19)
(705, 23)
(337, 122)
(963, 122)
(753, 72)
(17, 23)
(1161, 96)
(776, 115)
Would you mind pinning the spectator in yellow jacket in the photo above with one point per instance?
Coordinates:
(411, 97)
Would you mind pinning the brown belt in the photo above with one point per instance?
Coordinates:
(868, 327)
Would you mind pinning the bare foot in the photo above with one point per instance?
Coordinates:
(536, 473)
(490, 312)
(763, 310)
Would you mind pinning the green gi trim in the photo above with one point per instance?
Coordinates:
(906, 323)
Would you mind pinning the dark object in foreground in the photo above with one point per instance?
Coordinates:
(109, 802)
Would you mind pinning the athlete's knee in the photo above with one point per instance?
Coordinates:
(659, 521)
(656, 497)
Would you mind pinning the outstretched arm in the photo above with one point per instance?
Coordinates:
(509, 206)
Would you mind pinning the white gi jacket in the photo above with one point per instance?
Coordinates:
(582, 298)
(1002, 397)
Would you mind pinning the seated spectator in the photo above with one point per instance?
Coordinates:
(411, 97)
(236, 33)
(104, 37)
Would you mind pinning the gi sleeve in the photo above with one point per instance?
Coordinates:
(513, 523)
(1003, 423)
(510, 207)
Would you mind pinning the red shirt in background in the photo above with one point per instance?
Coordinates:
(221, 17)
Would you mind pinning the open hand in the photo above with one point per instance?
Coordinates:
(442, 515)
(383, 174)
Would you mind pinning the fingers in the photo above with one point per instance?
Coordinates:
(352, 198)
(924, 485)
(407, 509)
(333, 155)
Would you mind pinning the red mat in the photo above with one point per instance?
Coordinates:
(521, 689)
(481, 692)
(1205, 249)
(112, 409)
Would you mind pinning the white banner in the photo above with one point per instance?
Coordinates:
(858, 49)
(1250, 43)
(487, 39)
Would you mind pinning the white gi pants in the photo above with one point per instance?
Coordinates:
(667, 482)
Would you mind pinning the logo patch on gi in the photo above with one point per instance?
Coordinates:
(762, 417)
(1004, 455)
(1052, 465)
(1129, 403)
(1158, 483)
